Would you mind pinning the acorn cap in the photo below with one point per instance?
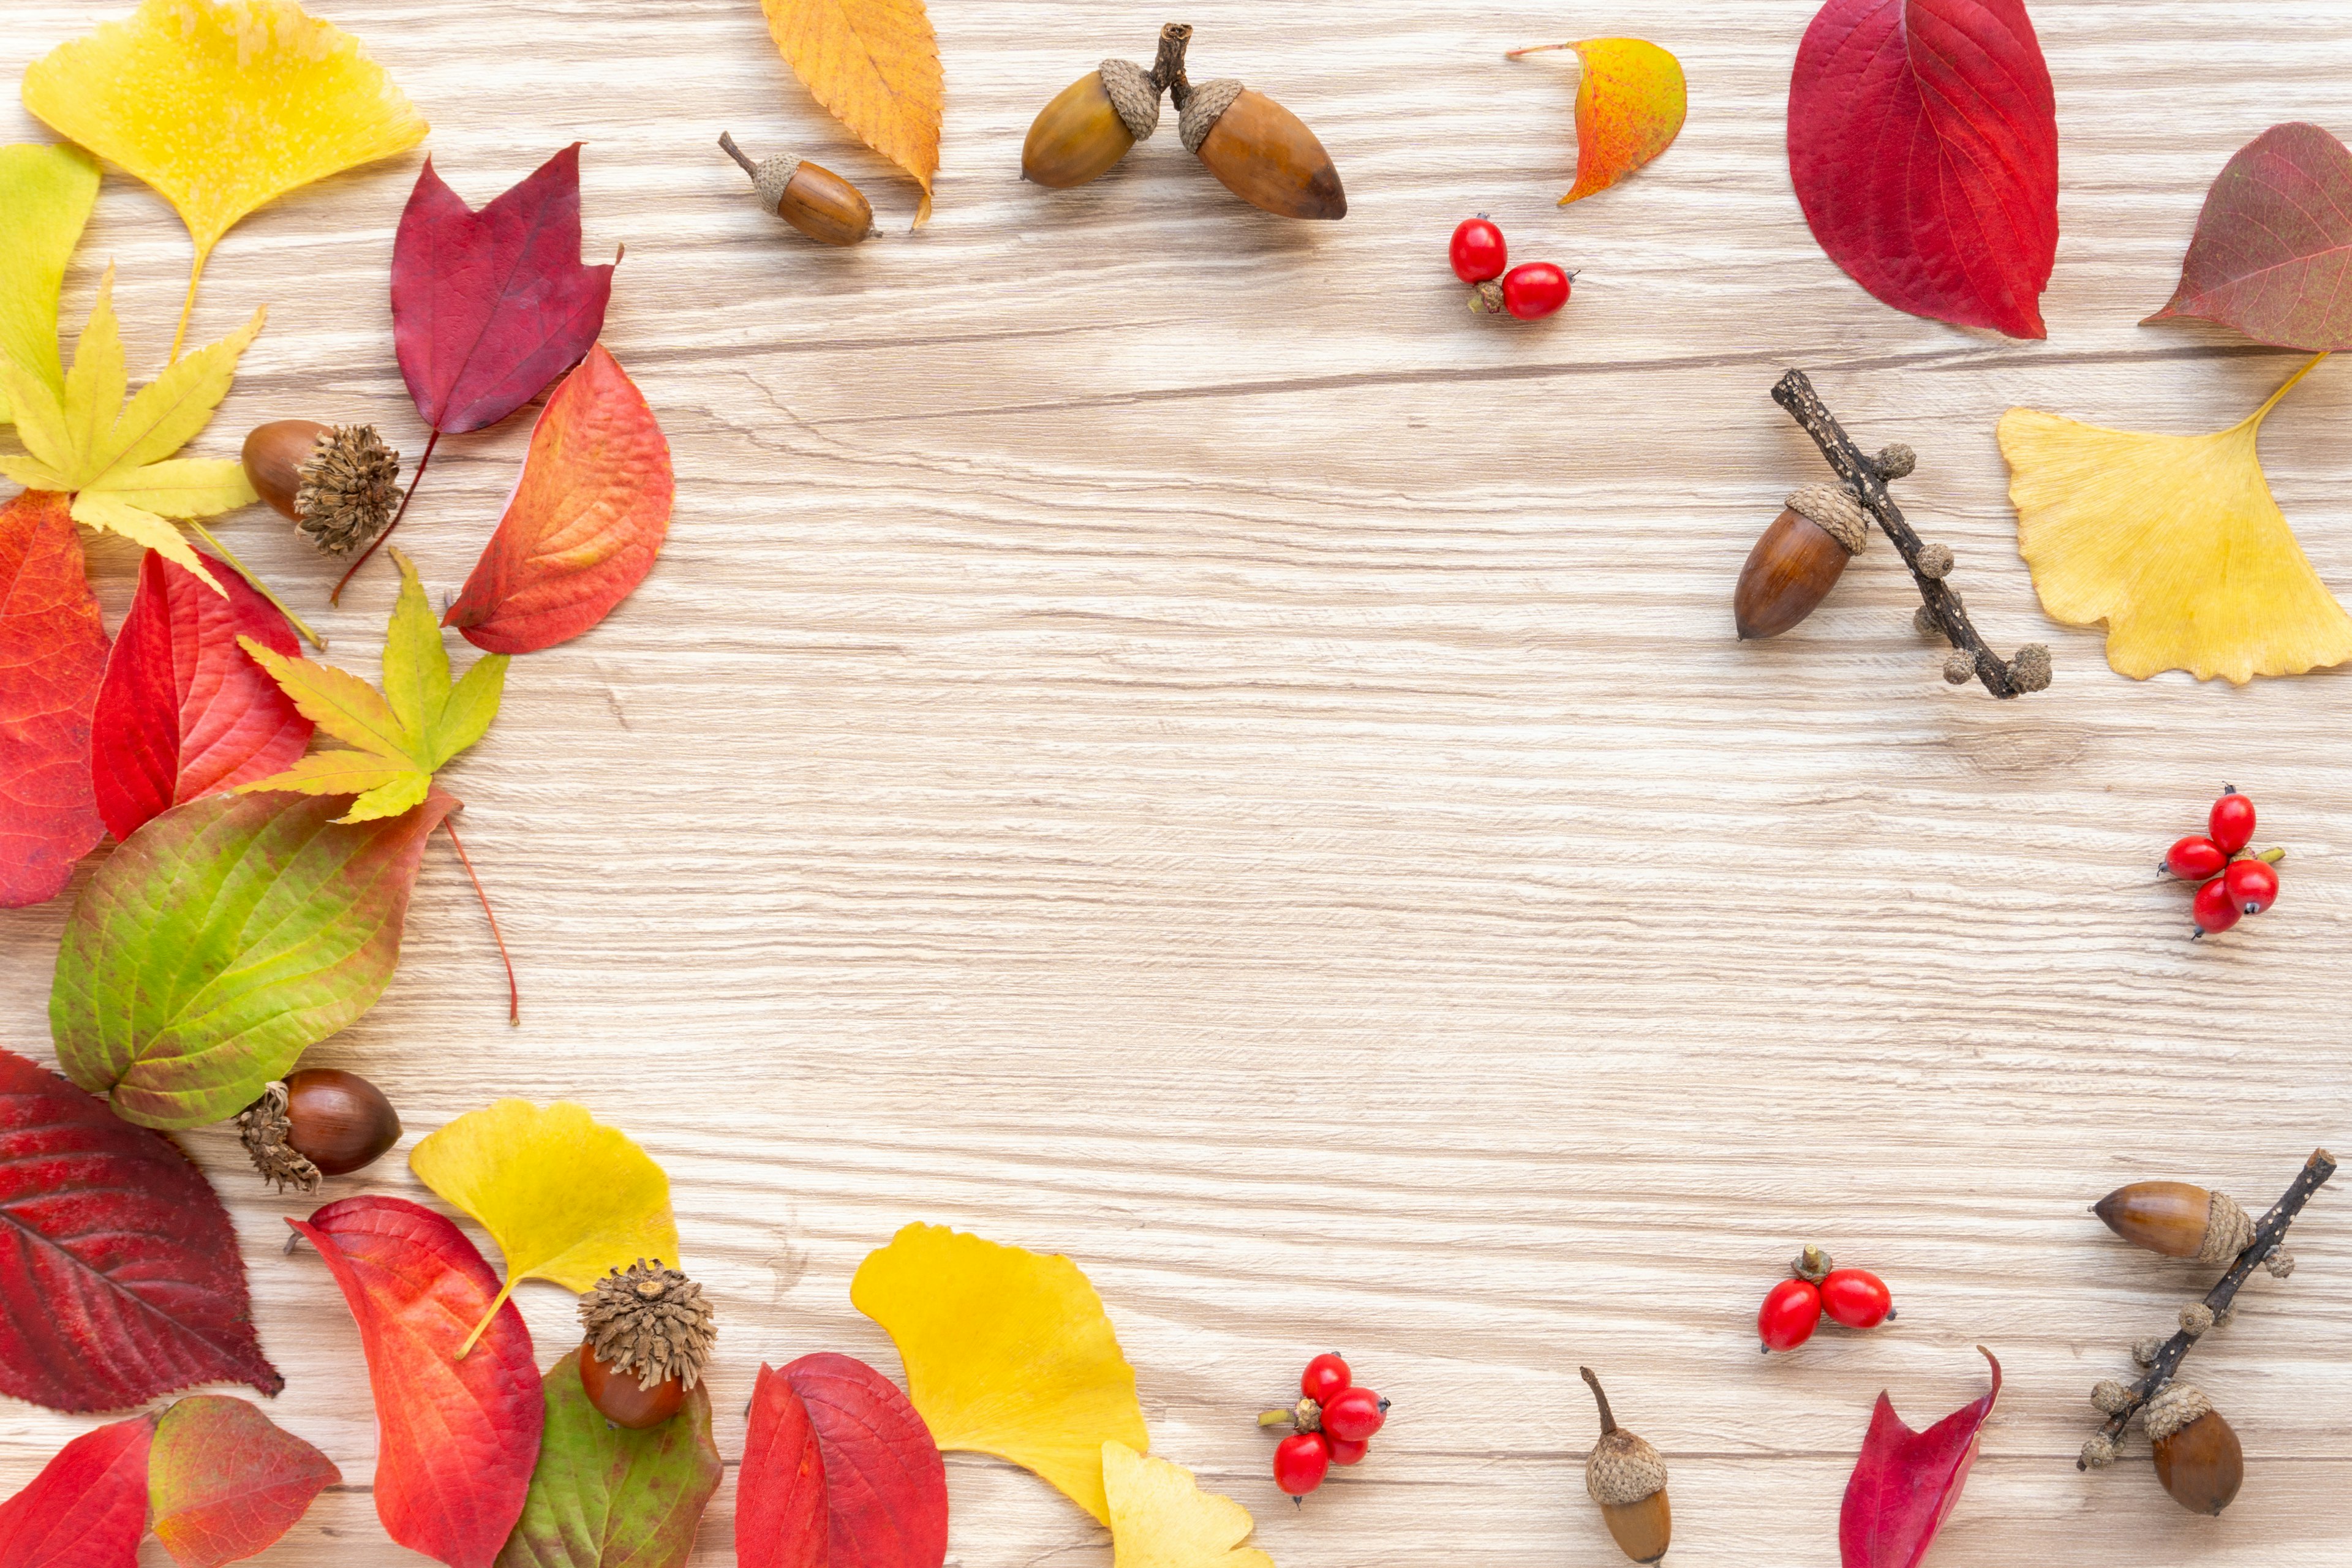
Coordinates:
(1131, 92)
(263, 1128)
(1210, 101)
(651, 1319)
(1623, 1468)
(345, 490)
(2175, 1407)
(2029, 671)
(2228, 1229)
(1836, 511)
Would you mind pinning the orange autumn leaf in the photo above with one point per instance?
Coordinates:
(874, 66)
(1630, 100)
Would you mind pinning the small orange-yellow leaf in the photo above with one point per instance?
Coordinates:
(874, 66)
(1159, 1517)
(1631, 100)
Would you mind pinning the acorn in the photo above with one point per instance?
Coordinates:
(337, 483)
(1628, 1479)
(810, 197)
(1263, 152)
(320, 1121)
(2197, 1456)
(1093, 123)
(652, 1321)
(2178, 1220)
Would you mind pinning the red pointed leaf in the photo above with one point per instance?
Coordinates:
(1923, 139)
(584, 522)
(456, 1440)
(489, 307)
(1906, 1482)
(227, 1481)
(838, 1472)
(88, 1508)
(2272, 253)
(183, 711)
(52, 653)
(119, 1277)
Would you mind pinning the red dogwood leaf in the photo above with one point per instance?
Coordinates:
(88, 1508)
(456, 1440)
(2273, 252)
(839, 1471)
(1923, 139)
(1906, 1482)
(585, 523)
(183, 711)
(52, 653)
(227, 1481)
(119, 1277)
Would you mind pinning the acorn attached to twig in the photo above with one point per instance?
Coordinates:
(337, 483)
(2178, 1220)
(1804, 552)
(1628, 1479)
(809, 197)
(1093, 123)
(2198, 1456)
(652, 1321)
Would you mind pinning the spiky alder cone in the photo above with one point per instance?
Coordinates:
(874, 66)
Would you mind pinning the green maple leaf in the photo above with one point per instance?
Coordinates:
(401, 737)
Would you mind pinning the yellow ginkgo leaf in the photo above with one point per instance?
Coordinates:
(1159, 1517)
(1007, 1352)
(223, 106)
(47, 193)
(2175, 542)
(565, 1197)
(875, 65)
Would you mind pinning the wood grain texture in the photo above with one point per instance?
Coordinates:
(1158, 737)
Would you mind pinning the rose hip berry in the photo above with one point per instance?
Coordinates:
(2232, 881)
(2214, 910)
(1477, 252)
(1353, 1415)
(1534, 289)
(1853, 1299)
(1789, 1312)
(1332, 1424)
(1326, 1376)
(2252, 885)
(2231, 823)
(2195, 858)
(1300, 1462)
(1856, 1298)
(1344, 1452)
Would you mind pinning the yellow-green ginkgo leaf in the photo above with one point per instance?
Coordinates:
(565, 1197)
(1159, 1517)
(47, 193)
(222, 106)
(1007, 1352)
(2175, 541)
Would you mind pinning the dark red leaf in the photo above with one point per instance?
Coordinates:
(52, 653)
(88, 1508)
(489, 307)
(1906, 1482)
(119, 1277)
(183, 711)
(2272, 253)
(839, 1471)
(1923, 139)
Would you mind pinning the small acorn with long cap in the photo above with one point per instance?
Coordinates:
(809, 197)
(337, 483)
(1096, 121)
(650, 1320)
(1628, 1479)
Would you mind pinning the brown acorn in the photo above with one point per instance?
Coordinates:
(809, 197)
(337, 483)
(2178, 1220)
(2197, 1456)
(1628, 1479)
(1798, 560)
(1263, 152)
(653, 1322)
(1093, 123)
(320, 1121)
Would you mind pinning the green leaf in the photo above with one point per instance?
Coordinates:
(227, 937)
(603, 1496)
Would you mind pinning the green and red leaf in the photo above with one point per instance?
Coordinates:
(88, 1508)
(52, 655)
(604, 1497)
(839, 1471)
(2273, 252)
(225, 1481)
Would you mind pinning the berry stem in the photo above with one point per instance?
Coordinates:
(1608, 1421)
(415, 478)
(1283, 1417)
(1168, 69)
(514, 993)
(262, 588)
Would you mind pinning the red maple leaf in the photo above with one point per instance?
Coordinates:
(52, 653)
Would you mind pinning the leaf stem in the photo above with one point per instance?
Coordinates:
(188, 309)
(261, 588)
(414, 480)
(2259, 414)
(514, 993)
(505, 1291)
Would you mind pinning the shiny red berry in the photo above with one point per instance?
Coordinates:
(1856, 1298)
(2214, 910)
(1344, 1452)
(1326, 1376)
(2196, 857)
(1300, 1462)
(2232, 824)
(1534, 289)
(2252, 885)
(1477, 252)
(1353, 1415)
(1789, 1314)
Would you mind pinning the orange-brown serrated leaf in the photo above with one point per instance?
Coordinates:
(875, 65)
(2175, 542)
(1631, 100)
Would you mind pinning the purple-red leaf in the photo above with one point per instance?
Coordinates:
(839, 1471)
(1906, 1482)
(227, 1481)
(2272, 253)
(1923, 139)
(119, 1277)
(184, 710)
(52, 653)
(88, 1508)
(489, 307)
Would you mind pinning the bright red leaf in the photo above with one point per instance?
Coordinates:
(585, 523)
(227, 1481)
(1906, 1482)
(183, 711)
(839, 1471)
(1923, 139)
(88, 1508)
(119, 1277)
(456, 1440)
(52, 653)
(2272, 253)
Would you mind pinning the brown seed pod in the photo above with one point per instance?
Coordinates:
(1263, 152)
(1628, 1479)
(653, 1322)
(320, 1121)
(1090, 125)
(337, 483)
(809, 197)
(2178, 1220)
(2197, 1456)
(1799, 559)
(624, 1401)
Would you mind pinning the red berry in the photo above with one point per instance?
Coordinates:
(1534, 288)
(2252, 885)
(1477, 252)
(1300, 1462)
(1789, 1314)
(1344, 1452)
(2196, 857)
(1326, 1376)
(1856, 1298)
(1353, 1415)
(2214, 910)
(2232, 824)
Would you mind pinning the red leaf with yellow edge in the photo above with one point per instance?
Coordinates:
(585, 523)
(2273, 252)
(88, 1508)
(1630, 101)
(456, 1440)
(226, 1481)
(839, 1471)
(1906, 1482)
(52, 655)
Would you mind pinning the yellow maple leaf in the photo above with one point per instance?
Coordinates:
(48, 193)
(223, 106)
(874, 66)
(2175, 541)
(565, 1197)
(1159, 1517)
(1007, 1352)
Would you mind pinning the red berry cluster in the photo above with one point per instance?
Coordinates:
(1335, 1421)
(2231, 880)
(1792, 1310)
(1530, 289)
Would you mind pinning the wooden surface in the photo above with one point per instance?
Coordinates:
(1158, 737)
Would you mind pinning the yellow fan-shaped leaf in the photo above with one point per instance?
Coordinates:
(2175, 542)
(875, 65)
(222, 106)
(1007, 1352)
(565, 1197)
(1159, 1517)
(47, 193)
